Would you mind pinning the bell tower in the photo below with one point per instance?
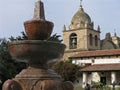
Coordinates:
(81, 35)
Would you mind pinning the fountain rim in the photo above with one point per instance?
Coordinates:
(38, 20)
(22, 49)
(34, 42)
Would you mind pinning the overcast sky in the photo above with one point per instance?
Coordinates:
(13, 13)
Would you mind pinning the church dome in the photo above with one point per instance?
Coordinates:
(81, 20)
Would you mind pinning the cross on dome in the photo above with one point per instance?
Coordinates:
(80, 3)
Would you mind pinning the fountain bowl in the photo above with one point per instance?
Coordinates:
(36, 51)
(38, 29)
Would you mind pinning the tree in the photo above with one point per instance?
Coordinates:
(67, 70)
(54, 38)
(23, 37)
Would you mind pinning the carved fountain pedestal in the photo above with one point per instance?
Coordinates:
(38, 52)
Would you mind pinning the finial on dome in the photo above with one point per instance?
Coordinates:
(98, 28)
(81, 8)
(80, 3)
(64, 28)
(115, 33)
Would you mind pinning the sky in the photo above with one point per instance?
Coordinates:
(13, 14)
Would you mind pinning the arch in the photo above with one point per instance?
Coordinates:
(91, 39)
(73, 41)
(96, 40)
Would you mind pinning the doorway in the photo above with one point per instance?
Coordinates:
(103, 80)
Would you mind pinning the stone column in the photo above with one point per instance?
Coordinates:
(84, 79)
(113, 77)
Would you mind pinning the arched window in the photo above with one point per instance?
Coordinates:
(96, 40)
(73, 41)
(91, 39)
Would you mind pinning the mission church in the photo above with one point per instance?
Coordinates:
(100, 58)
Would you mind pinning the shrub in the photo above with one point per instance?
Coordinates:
(97, 85)
(67, 70)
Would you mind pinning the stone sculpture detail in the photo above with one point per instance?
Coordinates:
(38, 52)
(11, 85)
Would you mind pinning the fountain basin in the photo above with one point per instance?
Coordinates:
(36, 51)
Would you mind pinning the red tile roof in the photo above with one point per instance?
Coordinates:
(97, 53)
(101, 67)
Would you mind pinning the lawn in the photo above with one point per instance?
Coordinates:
(80, 88)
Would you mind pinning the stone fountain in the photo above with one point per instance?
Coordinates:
(38, 52)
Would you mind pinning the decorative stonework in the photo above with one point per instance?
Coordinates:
(38, 28)
(39, 11)
(38, 52)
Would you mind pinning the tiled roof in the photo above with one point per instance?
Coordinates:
(101, 67)
(97, 53)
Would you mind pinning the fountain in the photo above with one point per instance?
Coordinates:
(38, 52)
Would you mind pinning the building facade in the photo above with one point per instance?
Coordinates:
(99, 66)
(101, 58)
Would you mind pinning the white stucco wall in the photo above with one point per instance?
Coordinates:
(81, 62)
(96, 61)
(107, 61)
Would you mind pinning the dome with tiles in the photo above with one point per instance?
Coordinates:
(81, 20)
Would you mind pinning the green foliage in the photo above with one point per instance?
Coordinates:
(23, 37)
(97, 85)
(67, 70)
(118, 88)
(55, 38)
(106, 87)
(100, 86)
